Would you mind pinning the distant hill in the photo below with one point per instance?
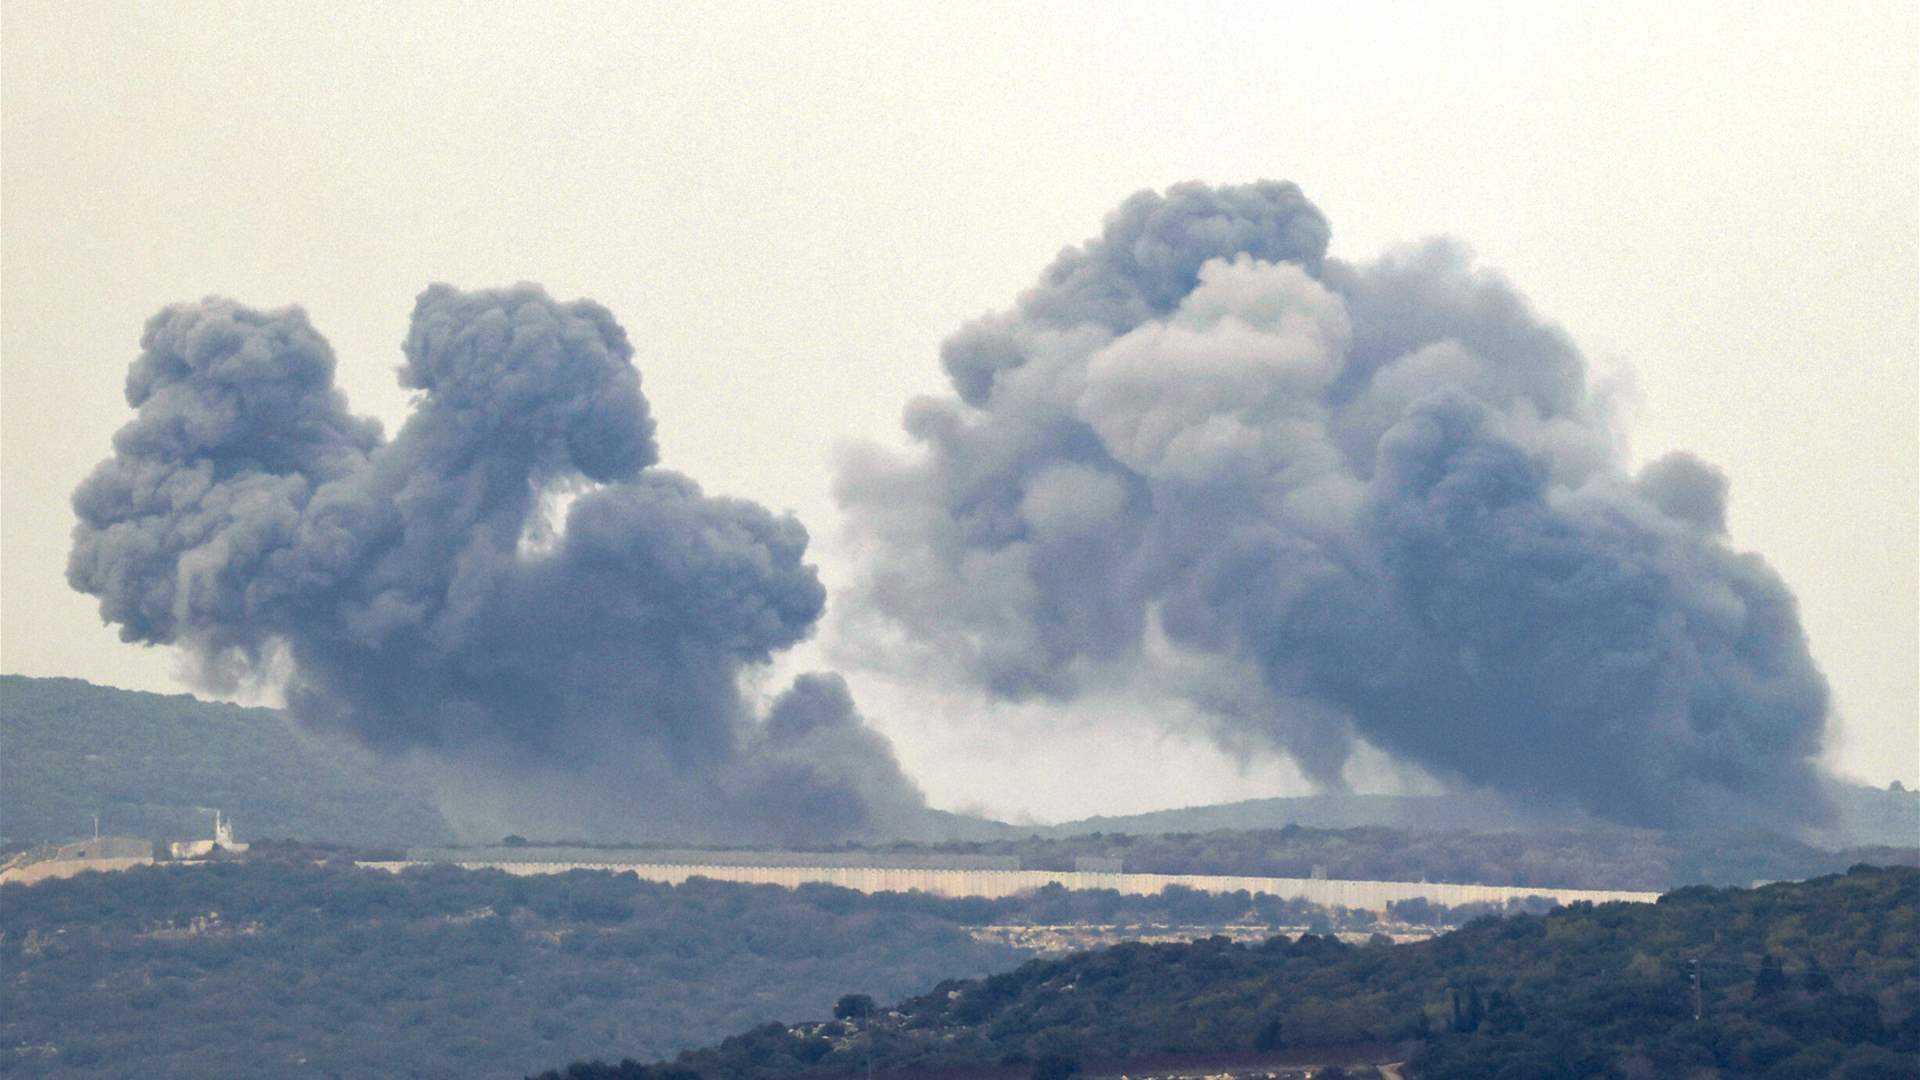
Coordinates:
(1808, 979)
(1572, 857)
(1870, 815)
(945, 826)
(155, 765)
(1475, 813)
(1863, 816)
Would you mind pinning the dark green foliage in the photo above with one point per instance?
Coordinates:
(150, 763)
(853, 1007)
(1055, 1067)
(483, 972)
(628, 1069)
(1770, 979)
(1582, 992)
(1816, 977)
(436, 972)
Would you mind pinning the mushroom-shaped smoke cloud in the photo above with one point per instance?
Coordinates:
(1379, 499)
(582, 678)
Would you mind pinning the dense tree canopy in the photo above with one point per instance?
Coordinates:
(1810, 979)
(239, 968)
(154, 765)
(246, 969)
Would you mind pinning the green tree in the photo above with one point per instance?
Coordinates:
(1055, 1067)
(853, 1007)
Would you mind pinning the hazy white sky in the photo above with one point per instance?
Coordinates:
(789, 205)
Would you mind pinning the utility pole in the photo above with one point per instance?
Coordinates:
(96, 828)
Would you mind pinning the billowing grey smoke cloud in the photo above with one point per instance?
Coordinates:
(1383, 494)
(422, 599)
(820, 771)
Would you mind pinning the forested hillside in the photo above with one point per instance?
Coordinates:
(155, 765)
(244, 968)
(1812, 979)
(1861, 816)
(248, 969)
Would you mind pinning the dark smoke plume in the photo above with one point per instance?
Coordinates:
(1381, 494)
(421, 599)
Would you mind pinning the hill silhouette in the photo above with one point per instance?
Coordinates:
(1803, 979)
(156, 765)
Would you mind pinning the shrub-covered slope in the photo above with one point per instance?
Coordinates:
(155, 765)
(245, 968)
(252, 968)
(1811, 979)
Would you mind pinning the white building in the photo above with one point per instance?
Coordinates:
(222, 839)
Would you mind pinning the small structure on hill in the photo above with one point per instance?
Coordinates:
(197, 849)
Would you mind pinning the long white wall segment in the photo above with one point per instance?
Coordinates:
(992, 884)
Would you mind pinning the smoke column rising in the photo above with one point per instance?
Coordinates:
(1332, 502)
(579, 677)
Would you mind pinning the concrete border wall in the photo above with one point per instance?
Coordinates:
(501, 855)
(993, 884)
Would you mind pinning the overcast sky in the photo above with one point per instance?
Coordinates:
(789, 206)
